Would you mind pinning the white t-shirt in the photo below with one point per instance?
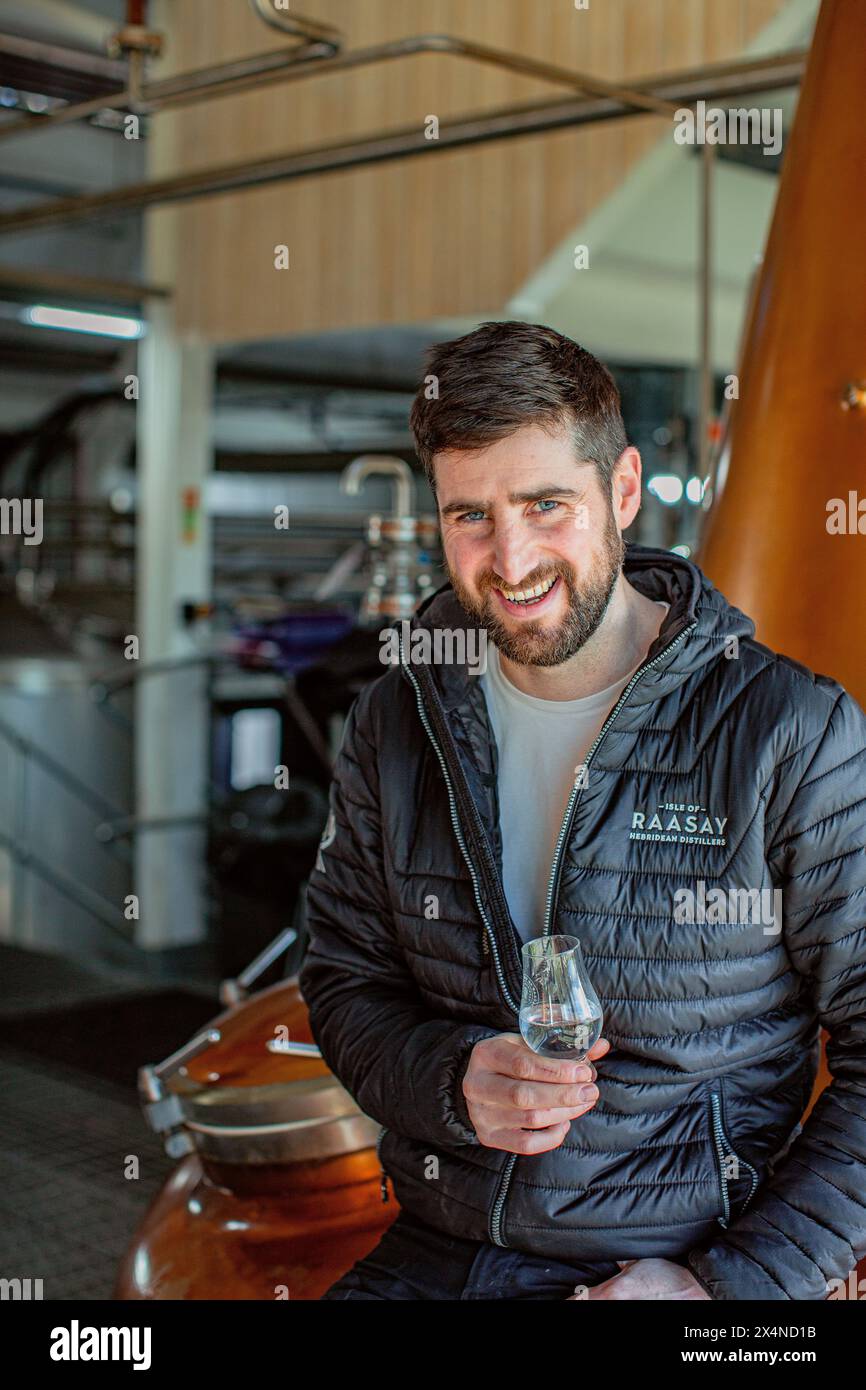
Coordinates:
(540, 744)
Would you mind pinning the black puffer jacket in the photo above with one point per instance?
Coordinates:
(714, 1026)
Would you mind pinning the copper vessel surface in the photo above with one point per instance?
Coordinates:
(283, 1193)
(782, 539)
(797, 434)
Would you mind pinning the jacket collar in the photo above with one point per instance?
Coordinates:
(696, 609)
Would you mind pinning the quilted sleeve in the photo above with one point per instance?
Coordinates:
(808, 1223)
(403, 1066)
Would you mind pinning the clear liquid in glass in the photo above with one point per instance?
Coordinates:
(554, 1031)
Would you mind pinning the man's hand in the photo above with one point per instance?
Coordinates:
(522, 1102)
(647, 1279)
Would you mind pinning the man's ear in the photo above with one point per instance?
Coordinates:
(625, 485)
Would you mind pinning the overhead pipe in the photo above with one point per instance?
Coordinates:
(316, 41)
(49, 433)
(511, 122)
(308, 30)
(322, 56)
(25, 282)
(58, 23)
(378, 464)
(505, 123)
(313, 65)
(242, 74)
(51, 54)
(719, 80)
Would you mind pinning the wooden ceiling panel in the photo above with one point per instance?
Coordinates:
(425, 238)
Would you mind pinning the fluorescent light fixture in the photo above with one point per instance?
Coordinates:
(79, 321)
(667, 487)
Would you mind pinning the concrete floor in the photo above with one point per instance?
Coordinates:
(70, 1042)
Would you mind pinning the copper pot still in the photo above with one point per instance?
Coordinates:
(785, 535)
(280, 1191)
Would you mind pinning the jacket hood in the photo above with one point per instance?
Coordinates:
(697, 609)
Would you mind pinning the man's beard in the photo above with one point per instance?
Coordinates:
(536, 643)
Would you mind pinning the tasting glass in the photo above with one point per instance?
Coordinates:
(560, 1012)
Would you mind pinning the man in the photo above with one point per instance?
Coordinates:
(633, 768)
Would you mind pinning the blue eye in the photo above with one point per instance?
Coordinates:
(465, 515)
(548, 500)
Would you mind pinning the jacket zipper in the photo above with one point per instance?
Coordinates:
(458, 831)
(724, 1148)
(493, 1224)
(499, 1203)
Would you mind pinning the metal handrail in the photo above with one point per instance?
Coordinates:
(70, 887)
(73, 784)
(103, 688)
(114, 826)
(18, 843)
(122, 827)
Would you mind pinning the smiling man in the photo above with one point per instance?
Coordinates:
(540, 568)
(471, 813)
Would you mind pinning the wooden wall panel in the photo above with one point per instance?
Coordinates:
(644, 53)
(682, 33)
(427, 238)
(759, 13)
(727, 30)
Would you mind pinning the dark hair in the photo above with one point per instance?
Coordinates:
(503, 376)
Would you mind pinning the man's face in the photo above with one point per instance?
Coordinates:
(522, 513)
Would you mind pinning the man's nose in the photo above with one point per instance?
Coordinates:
(513, 555)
